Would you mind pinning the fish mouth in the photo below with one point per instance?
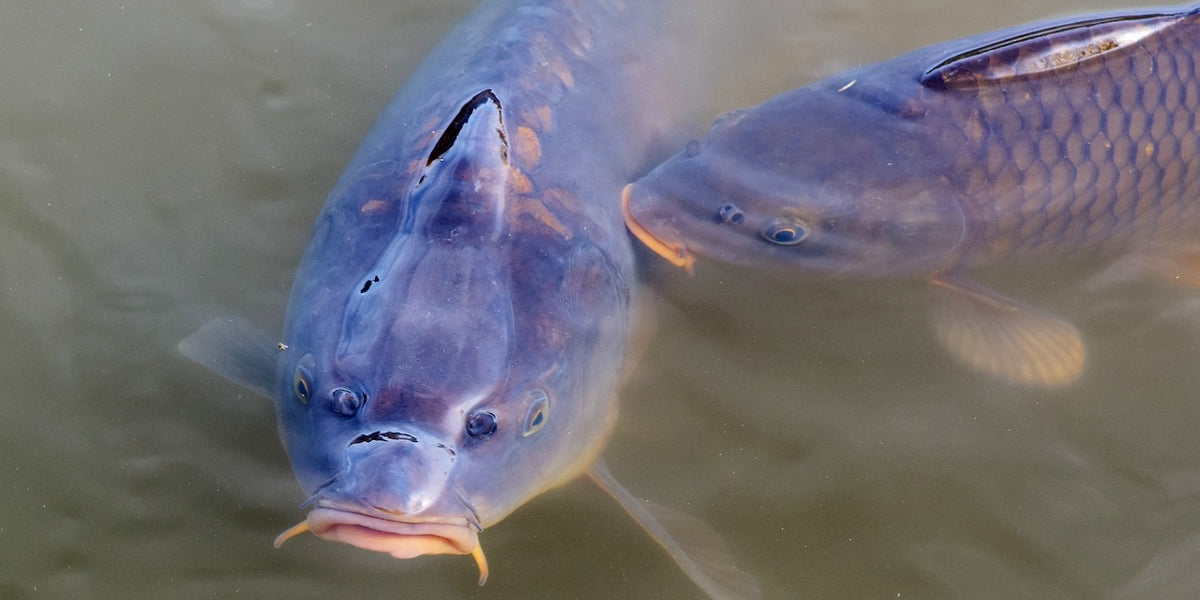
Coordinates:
(675, 253)
(401, 539)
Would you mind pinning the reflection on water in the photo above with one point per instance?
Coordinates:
(162, 162)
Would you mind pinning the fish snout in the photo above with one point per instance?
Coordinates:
(396, 496)
(660, 241)
(396, 472)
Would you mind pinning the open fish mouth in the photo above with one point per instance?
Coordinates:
(401, 539)
(675, 253)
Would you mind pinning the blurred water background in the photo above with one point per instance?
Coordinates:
(161, 163)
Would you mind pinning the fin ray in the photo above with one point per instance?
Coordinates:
(695, 547)
(236, 350)
(1004, 338)
(1048, 49)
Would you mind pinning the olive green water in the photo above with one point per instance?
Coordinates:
(161, 163)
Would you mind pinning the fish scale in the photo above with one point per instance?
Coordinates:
(1073, 167)
(1055, 202)
(1068, 137)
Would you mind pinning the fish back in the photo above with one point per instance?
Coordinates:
(1073, 136)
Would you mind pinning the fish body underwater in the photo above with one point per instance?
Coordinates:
(457, 329)
(1058, 139)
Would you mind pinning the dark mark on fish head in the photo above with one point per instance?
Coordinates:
(383, 436)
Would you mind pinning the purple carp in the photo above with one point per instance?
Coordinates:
(457, 329)
(1062, 138)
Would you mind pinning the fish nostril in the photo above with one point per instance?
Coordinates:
(383, 436)
(730, 214)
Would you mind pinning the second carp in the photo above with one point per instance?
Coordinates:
(1062, 138)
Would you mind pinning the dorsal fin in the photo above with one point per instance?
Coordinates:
(1047, 49)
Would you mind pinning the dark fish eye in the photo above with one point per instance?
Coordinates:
(346, 402)
(535, 417)
(481, 423)
(300, 385)
(785, 231)
(730, 214)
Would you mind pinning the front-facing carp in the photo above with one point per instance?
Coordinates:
(457, 328)
(1060, 138)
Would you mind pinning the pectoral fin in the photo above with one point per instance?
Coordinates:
(696, 548)
(1005, 338)
(236, 350)
(1179, 265)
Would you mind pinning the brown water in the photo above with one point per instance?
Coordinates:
(161, 163)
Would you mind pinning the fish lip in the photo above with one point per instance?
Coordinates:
(675, 252)
(399, 537)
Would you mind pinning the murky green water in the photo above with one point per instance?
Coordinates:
(161, 163)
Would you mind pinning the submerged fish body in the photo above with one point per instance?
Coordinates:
(457, 327)
(1059, 138)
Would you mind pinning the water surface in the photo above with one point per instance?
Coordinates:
(161, 163)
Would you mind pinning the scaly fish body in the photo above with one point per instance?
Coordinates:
(1059, 138)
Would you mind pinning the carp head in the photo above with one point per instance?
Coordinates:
(813, 179)
(442, 365)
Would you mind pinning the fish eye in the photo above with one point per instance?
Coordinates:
(301, 386)
(535, 418)
(730, 214)
(785, 231)
(481, 423)
(346, 402)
